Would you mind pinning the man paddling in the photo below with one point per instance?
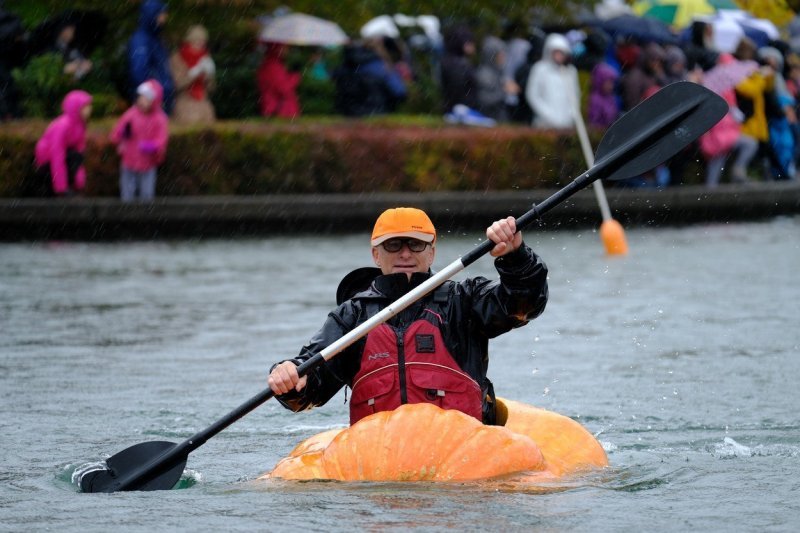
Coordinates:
(434, 351)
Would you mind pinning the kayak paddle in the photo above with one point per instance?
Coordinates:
(611, 233)
(646, 136)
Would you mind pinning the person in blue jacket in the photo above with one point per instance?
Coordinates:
(366, 82)
(148, 58)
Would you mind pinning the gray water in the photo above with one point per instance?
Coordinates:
(681, 357)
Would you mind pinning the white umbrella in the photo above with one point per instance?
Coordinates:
(382, 26)
(303, 30)
(749, 21)
(730, 25)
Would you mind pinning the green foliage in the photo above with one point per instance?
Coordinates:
(316, 96)
(16, 165)
(233, 27)
(43, 85)
(424, 97)
(236, 94)
(321, 156)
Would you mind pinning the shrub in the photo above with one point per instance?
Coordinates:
(316, 156)
(43, 83)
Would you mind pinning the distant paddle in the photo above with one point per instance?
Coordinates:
(611, 233)
(646, 136)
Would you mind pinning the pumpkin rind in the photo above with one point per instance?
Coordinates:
(304, 461)
(566, 445)
(400, 446)
(421, 442)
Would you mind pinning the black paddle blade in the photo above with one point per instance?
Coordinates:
(356, 281)
(658, 128)
(129, 461)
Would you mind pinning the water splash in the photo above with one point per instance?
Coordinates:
(188, 479)
(84, 469)
(730, 449)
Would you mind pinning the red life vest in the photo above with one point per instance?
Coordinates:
(415, 367)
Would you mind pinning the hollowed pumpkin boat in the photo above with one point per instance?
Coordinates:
(421, 442)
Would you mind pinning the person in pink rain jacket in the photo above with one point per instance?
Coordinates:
(59, 152)
(141, 135)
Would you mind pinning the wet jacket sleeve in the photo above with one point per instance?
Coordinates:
(329, 377)
(139, 51)
(518, 297)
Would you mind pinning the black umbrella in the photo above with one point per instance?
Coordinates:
(10, 27)
(631, 26)
(90, 30)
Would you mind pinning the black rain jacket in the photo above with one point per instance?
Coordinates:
(473, 311)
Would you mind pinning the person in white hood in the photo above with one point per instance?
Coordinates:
(552, 90)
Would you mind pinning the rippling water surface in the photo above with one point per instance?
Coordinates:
(681, 357)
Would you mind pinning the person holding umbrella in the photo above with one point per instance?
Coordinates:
(277, 86)
(725, 137)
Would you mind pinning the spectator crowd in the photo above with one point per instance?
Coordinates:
(523, 75)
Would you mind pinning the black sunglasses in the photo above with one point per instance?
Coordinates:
(395, 245)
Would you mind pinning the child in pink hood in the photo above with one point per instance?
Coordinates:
(141, 134)
(59, 152)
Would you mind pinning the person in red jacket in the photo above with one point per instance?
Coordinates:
(277, 86)
(59, 152)
(435, 350)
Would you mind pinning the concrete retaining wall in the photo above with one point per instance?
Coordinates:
(232, 216)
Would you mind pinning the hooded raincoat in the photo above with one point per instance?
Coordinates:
(277, 87)
(147, 56)
(603, 108)
(457, 72)
(65, 133)
(468, 314)
(552, 89)
(142, 137)
(490, 80)
(366, 84)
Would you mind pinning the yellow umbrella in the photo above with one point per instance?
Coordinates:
(679, 13)
(778, 11)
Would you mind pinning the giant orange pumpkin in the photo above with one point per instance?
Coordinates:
(421, 442)
(566, 445)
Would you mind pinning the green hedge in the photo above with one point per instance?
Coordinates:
(324, 156)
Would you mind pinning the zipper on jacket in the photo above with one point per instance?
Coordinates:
(401, 367)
